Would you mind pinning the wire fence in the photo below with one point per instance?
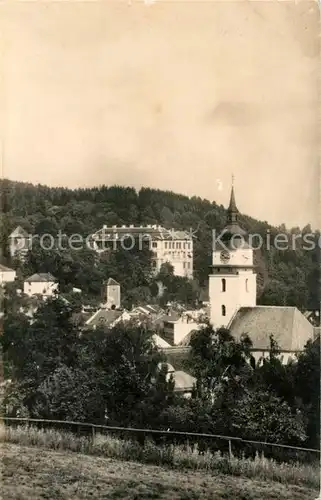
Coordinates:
(205, 442)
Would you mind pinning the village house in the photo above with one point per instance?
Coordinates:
(40, 284)
(7, 275)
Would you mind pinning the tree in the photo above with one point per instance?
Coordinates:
(307, 385)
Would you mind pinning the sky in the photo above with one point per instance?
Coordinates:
(175, 95)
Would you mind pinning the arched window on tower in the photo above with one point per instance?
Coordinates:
(247, 285)
(223, 311)
(223, 285)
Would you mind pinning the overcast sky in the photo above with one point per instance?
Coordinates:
(173, 95)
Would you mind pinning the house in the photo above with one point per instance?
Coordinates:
(184, 381)
(40, 284)
(7, 275)
(19, 243)
(167, 245)
(175, 330)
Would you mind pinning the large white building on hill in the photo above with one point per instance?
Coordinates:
(172, 246)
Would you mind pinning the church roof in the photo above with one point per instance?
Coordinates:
(232, 206)
(232, 227)
(290, 329)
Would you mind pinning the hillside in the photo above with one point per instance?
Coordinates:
(37, 474)
(285, 277)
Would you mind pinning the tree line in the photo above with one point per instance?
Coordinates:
(285, 277)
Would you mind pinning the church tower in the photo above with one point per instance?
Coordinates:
(232, 282)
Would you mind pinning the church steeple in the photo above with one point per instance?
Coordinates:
(232, 211)
(232, 226)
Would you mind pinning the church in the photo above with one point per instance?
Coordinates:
(233, 294)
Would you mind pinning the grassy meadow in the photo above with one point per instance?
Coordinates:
(107, 467)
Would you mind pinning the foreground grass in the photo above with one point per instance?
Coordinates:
(174, 457)
(37, 474)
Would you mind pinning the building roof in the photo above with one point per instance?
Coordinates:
(155, 232)
(160, 342)
(19, 231)
(112, 282)
(41, 277)
(183, 381)
(290, 329)
(187, 339)
(104, 318)
(5, 269)
(173, 316)
(232, 227)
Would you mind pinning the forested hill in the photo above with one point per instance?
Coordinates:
(285, 277)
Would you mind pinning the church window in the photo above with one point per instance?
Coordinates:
(223, 311)
(247, 285)
(223, 285)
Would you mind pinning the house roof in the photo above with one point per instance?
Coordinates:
(19, 231)
(187, 339)
(113, 282)
(173, 316)
(183, 381)
(104, 317)
(40, 277)
(5, 269)
(154, 232)
(290, 329)
(160, 342)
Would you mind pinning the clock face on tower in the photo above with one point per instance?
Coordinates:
(225, 256)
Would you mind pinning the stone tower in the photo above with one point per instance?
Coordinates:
(113, 294)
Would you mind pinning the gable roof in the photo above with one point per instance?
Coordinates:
(112, 282)
(104, 318)
(183, 381)
(19, 231)
(159, 341)
(40, 277)
(5, 269)
(290, 329)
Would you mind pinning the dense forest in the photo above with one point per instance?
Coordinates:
(285, 277)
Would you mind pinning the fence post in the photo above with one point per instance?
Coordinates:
(230, 448)
(93, 432)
